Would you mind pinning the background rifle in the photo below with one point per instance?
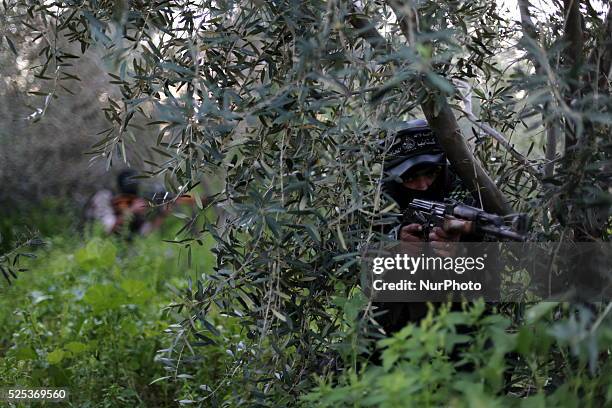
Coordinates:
(453, 216)
(165, 197)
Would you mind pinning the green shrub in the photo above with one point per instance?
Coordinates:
(88, 316)
(434, 364)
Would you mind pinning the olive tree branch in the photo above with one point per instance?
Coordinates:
(443, 123)
(552, 128)
(489, 130)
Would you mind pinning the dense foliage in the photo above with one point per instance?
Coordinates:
(417, 370)
(90, 317)
(290, 103)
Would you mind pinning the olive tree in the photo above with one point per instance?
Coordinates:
(293, 104)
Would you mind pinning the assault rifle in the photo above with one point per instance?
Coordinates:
(454, 216)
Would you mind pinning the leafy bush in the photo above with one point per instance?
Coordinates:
(88, 316)
(436, 363)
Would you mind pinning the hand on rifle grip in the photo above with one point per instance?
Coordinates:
(440, 239)
(411, 233)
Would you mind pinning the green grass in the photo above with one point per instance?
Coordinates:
(88, 315)
(91, 313)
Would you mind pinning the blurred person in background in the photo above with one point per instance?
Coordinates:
(127, 211)
(132, 210)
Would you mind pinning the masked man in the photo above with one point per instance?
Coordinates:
(417, 168)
